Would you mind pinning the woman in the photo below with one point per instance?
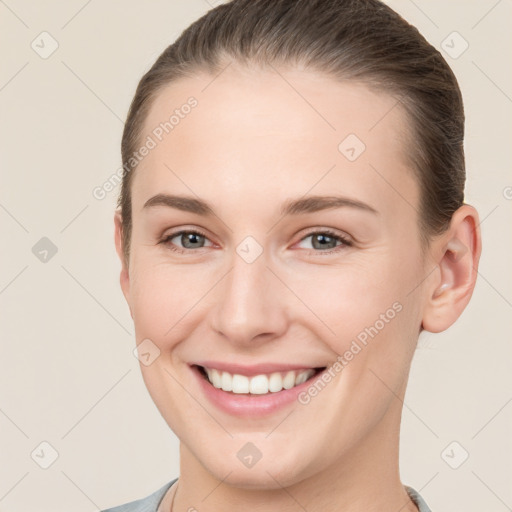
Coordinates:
(291, 218)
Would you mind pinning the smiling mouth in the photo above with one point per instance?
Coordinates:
(257, 384)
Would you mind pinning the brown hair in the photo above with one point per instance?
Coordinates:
(361, 40)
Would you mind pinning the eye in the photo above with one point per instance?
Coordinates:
(326, 241)
(190, 238)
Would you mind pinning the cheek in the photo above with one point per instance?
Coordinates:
(347, 298)
(154, 307)
(165, 300)
(365, 311)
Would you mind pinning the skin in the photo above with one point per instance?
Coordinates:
(251, 144)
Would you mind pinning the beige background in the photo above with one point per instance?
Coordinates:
(69, 377)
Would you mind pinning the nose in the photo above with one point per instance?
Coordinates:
(250, 303)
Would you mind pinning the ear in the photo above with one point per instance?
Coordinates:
(457, 253)
(124, 278)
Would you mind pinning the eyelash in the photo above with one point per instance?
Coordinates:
(345, 242)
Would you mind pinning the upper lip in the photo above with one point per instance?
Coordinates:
(254, 369)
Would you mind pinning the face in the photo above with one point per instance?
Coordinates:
(329, 283)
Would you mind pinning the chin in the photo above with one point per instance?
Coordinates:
(259, 479)
(272, 471)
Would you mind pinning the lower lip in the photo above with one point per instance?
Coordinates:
(250, 405)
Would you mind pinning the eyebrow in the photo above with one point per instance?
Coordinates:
(291, 207)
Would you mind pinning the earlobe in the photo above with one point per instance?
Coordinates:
(451, 286)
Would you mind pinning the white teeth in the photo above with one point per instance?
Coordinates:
(226, 382)
(301, 378)
(240, 384)
(289, 380)
(275, 383)
(215, 379)
(258, 384)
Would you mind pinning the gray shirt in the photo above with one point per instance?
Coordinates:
(151, 502)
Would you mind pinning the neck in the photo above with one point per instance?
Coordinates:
(366, 478)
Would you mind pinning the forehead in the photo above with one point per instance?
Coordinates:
(278, 131)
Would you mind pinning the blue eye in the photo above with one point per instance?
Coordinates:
(193, 239)
(326, 241)
(189, 237)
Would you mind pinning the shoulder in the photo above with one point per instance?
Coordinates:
(148, 504)
(417, 499)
